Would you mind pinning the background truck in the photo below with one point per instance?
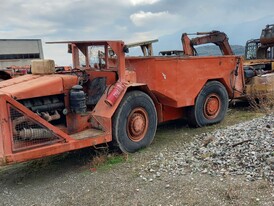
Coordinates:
(262, 48)
(259, 65)
(108, 97)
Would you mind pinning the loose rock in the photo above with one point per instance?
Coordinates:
(243, 149)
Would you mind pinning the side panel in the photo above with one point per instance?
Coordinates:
(3, 123)
(176, 81)
(195, 72)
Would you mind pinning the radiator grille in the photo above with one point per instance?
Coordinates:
(28, 133)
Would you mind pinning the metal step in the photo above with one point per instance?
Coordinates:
(88, 133)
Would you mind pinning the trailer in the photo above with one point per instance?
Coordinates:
(108, 97)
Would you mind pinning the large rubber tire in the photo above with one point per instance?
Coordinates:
(210, 105)
(135, 122)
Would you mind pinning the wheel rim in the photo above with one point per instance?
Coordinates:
(137, 124)
(212, 106)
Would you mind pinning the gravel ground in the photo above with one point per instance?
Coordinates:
(244, 149)
(226, 166)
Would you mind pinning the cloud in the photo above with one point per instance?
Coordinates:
(154, 24)
(141, 18)
(142, 2)
(130, 20)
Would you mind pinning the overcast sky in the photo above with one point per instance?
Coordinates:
(130, 21)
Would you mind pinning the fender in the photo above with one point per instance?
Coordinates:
(103, 112)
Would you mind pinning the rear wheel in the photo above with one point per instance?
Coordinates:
(210, 106)
(135, 122)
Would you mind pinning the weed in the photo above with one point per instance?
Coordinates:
(98, 160)
(261, 102)
(231, 193)
(105, 161)
(263, 185)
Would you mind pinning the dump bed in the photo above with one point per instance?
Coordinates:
(176, 81)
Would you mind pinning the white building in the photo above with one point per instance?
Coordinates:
(19, 52)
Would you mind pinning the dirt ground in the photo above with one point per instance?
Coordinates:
(72, 178)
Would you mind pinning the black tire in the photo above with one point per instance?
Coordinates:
(210, 105)
(135, 122)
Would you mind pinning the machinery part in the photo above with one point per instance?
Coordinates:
(78, 100)
(115, 93)
(16, 122)
(48, 117)
(96, 89)
(251, 47)
(48, 107)
(267, 35)
(28, 133)
(262, 48)
(44, 104)
(249, 72)
(81, 74)
(134, 122)
(35, 133)
(146, 47)
(32, 133)
(216, 37)
(210, 106)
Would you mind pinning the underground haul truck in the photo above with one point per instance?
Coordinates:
(110, 97)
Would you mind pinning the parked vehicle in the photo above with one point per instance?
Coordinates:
(110, 97)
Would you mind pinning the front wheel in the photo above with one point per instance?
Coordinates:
(210, 106)
(135, 122)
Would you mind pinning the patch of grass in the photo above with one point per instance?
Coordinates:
(115, 160)
(105, 161)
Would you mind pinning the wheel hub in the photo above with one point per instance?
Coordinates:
(137, 124)
(212, 106)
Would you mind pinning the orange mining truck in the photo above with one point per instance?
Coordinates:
(110, 97)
